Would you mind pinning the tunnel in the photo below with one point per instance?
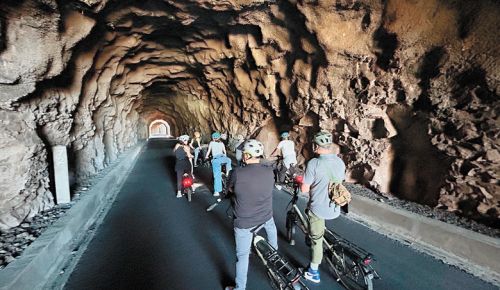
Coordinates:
(409, 89)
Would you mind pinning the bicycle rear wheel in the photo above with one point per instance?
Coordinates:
(290, 229)
(276, 282)
(189, 192)
(348, 271)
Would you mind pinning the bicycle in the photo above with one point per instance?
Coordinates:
(224, 188)
(350, 263)
(187, 185)
(202, 162)
(281, 173)
(282, 274)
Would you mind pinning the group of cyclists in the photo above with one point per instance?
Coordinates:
(251, 187)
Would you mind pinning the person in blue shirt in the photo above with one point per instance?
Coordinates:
(218, 151)
(328, 167)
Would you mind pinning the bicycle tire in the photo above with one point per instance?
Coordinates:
(189, 192)
(349, 272)
(290, 231)
(276, 283)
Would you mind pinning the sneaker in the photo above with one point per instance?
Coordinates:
(312, 275)
(196, 165)
(216, 194)
(179, 194)
(229, 288)
(278, 187)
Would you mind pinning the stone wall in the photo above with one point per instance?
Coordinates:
(409, 88)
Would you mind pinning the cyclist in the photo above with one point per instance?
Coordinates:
(218, 150)
(252, 187)
(287, 149)
(319, 171)
(195, 144)
(240, 140)
(182, 160)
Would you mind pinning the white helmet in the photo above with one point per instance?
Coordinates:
(254, 148)
(323, 138)
(183, 138)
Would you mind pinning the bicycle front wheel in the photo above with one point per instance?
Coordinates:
(349, 272)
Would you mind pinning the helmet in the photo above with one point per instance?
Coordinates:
(254, 148)
(215, 135)
(323, 138)
(197, 134)
(239, 137)
(184, 138)
(284, 134)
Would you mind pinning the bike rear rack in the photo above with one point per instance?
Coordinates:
(354, 251)
(350, 248)
(276, 262)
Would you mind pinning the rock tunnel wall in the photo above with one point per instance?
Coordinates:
(409, 88)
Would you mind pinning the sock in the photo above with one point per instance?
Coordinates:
(314, 267)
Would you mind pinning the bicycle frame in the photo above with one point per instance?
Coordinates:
(333, 243)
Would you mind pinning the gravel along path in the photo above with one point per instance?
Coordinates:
(427, 211)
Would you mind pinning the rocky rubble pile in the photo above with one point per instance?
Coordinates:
(427, 211)
(14, 240)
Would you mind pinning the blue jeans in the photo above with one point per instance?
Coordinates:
(196, 153)
(243, 239)
(217, 162)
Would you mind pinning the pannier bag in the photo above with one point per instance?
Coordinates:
(338, 194)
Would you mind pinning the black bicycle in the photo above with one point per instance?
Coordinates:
(350, 263)
(202, 161)
(225, 180)
(282, 274)
(283, 175)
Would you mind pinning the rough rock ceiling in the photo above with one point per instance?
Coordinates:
(409, 88)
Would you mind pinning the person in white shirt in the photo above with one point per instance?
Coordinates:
(218, 150)
(196, 144)
(239, 149)
(287, 150)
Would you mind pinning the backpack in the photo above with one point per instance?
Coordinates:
(338, 193)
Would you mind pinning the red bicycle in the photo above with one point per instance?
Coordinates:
(187, 185)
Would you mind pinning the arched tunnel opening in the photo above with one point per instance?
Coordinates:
(95, 76)
(159, 129)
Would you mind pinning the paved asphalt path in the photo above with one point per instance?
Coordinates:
(152, 240)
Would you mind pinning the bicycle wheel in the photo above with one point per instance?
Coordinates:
(290, 230)
(349, 272)
(189, 192)
(276, 282)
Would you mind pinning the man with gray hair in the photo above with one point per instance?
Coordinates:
(328, 167)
